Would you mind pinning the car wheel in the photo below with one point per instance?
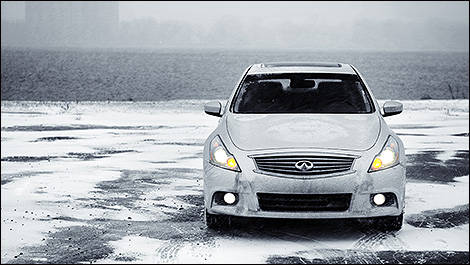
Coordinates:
(214, 221)
(389, 223)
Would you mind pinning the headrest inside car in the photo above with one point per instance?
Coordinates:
(269, 90)
(264, 91)
(327, 89)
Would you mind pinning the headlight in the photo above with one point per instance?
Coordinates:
(221, 157)
(388, 157)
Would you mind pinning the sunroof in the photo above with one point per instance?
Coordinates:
(301, 64)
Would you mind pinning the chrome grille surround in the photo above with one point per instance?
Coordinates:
(323, 164)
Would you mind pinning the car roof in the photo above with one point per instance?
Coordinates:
(301, 67)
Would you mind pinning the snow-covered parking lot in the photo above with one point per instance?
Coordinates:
(122, 182)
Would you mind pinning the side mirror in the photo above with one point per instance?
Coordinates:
(213, 108)
(392, 108)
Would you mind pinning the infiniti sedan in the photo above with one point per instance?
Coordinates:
(304, 140)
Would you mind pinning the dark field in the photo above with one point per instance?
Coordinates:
(149, 75)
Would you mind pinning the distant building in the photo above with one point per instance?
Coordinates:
(64, 23)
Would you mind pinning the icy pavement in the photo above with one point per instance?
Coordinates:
(122, 182)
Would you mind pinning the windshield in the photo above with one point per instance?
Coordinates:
(302, 93)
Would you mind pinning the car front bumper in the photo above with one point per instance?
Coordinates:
(360, 183)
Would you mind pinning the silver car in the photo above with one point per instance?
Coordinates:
(304, 140)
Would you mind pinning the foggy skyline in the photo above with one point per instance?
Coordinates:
(306, 25)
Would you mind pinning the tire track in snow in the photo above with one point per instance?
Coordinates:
(368, 243)
(168, 252)
(373, 239)
(294, 238)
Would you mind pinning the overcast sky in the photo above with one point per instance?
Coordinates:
(328, 11)
(439, 24)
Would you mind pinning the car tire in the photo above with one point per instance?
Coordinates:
(214, 221)
(389, 223)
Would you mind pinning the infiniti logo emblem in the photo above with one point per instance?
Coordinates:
(304, 165)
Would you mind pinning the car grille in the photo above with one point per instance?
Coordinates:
(283, 164)
(304, 202)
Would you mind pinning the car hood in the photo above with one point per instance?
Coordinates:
(357, 132)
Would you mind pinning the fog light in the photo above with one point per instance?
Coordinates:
(379, 199)
(229, 198)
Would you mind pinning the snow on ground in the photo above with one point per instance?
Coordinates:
(122, 182)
